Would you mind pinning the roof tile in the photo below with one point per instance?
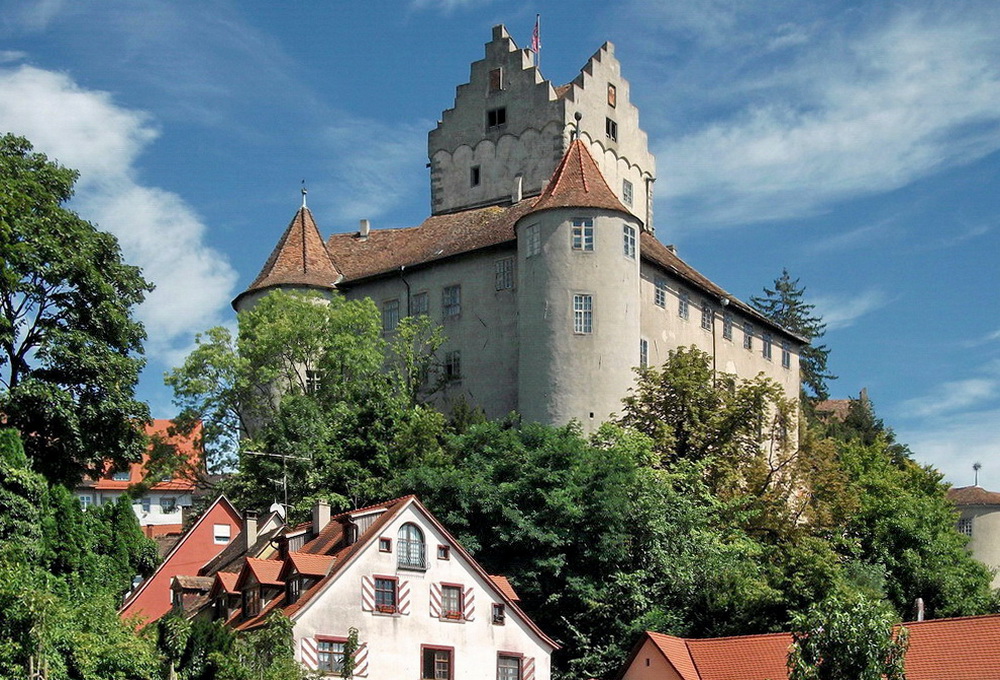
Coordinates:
(578, 183)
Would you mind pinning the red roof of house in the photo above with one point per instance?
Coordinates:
(267, 572)
(966, 648)
(973, 495)
(226, 580)
(505, 587)
(310, 565)
(186, 446)
(578, 183)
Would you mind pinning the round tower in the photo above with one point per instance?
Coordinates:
(578, 301)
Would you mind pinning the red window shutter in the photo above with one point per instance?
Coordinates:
(361, 661)
(469, 602)
(435, 600)
(310, 657)
(367, 594)
(403, 596)
(528, 668)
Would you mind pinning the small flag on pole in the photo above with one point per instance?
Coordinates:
(536, 39)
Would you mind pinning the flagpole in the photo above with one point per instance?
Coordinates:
(536, 41)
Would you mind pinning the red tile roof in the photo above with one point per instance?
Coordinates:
(578, 183)
(676, 652)
(973, 495)
(505, 587)
(834, 409)
(299, 259)
(311, 565)
(265, 571)
(185, 446)
(226, 580)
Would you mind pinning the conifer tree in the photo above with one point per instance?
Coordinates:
(784, 304)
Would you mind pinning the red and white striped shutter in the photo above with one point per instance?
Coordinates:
(309, 652)
(367, 593)
(435, 600)
(361, 661)
(403, 596)
(469, 602)
(528, 669)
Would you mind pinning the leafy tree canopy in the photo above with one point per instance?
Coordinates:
(70, 349)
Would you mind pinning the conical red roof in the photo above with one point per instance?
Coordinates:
(578, 183)
(299, 259)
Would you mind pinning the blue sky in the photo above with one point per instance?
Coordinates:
(855, 143)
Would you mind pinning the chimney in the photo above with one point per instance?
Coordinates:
(364, 228)
(249, 529)
(920, 609)
(321, 514)
(517, 193)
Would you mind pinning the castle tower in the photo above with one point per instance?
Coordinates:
(508, 122)
(579, 303)
(300, 261)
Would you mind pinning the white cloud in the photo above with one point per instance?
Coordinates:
(953, 444)
(842, 118)
(87, 130)
(952, 396)
(36, 15)
(8, 56)
(840, 312)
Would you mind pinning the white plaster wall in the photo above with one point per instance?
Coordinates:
(394, 640)
(985, 541)
(155, 516)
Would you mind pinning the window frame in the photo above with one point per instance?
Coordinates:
(611, 129)
(146, 503)
(515, 656)
(707, 315)
(453, 365)
(435, 649)
(628, 195)
(628, 241)
(660, 292)
(583, 313)
(475, 176)
(684, 304)
(582, 238)
(498, 614)
(389, 586)
(727, 326)
(503, 270)
(405, 547)
(333, 654)
(643, 353)
(496, 118)
(121, 476)
(390, 315)
(216, 534)
(168, 508)
(533, 244)
(384, 544)
(964, 526)
(424, 308)
(313, 381)
(443, 552)
(495, 79)
(456, 592)
(747, 336)
(767, 346)
(451, 301)
(786, 355)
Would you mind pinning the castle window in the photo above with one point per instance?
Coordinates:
(766, 346)
(419, 304)
(660, 297)
(965, 526)
(496, 118)
(628, 241)
(474, 176)
(534, 241)
(583, 234)
(643, 353)
(727, 326)
(747, 336)
(583, 313)
(451, 301)
(626, 192)
(453, 365)
(496, 79)
(390, 315)
(706, 316)
(786, 355)
(504, 269)
(313, 381)
(684, 305)
(611, 129)
(612, 95)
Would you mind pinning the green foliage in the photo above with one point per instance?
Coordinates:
(847, 638)
(785, 306)
(70, 349)
(22, 492)
(265, 653)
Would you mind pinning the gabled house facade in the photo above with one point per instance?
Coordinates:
(421, 605)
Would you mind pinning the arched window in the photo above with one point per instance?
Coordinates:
(410, 547)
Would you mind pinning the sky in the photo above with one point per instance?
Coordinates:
(855, 143)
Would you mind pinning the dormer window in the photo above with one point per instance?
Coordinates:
(251, 601)
(410, 547)
(294, 588)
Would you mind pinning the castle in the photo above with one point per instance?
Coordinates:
(539, 258)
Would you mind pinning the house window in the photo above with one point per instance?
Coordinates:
(534, 241)
(496, 79)
(330, 654)
(145, 504)
(436, 663)
(410, 547)
(220, 532)
(451, 301)
(294, 588)
(419, 305)
(508, 667)
(626, 192)
(313, 381)
(747, 336)
(453, 365)
(504, 270)
(385, 545)
(251, 601)
(786, 355)
(474, 176)
(496, 118)
(499, 613)
(390, 315)
(643, 353)
(612, 95)
(965, 526)
(451, 602)
(583, 313)
(444, 552)
(706, 316)
(86, 500)
(727, 326)
(122, 476)
(583, 234)
(385, 595)
(611, 129)
(684, 305)
(168, 504)
(660, 297)
(628, 241)
(766, 348)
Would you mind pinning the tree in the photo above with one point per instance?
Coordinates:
(784, 305)
(265, 653)
(70, 349)
(847, 638)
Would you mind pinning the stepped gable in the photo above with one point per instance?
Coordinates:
(300, 259)
(436, 238)
(973, 495)
(578, 183)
